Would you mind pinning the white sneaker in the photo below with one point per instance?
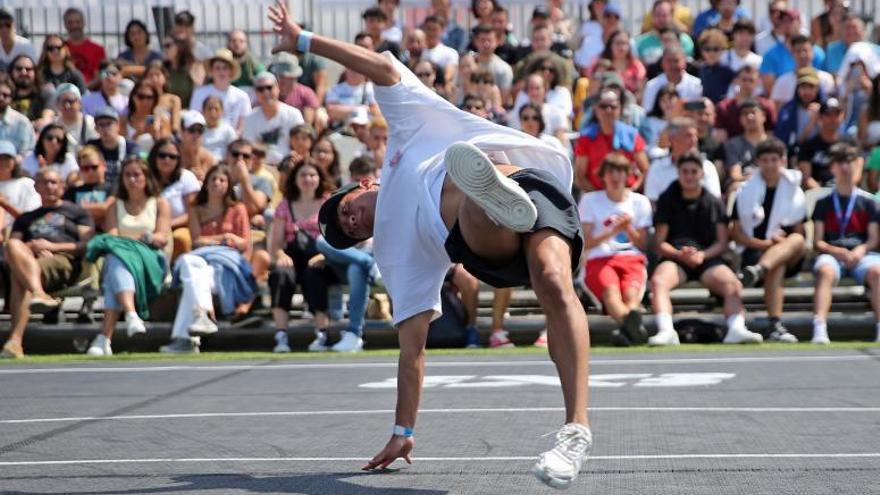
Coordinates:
(349, 342)
(820, 338)
(742, 336)
(503, 200)
(100, 346)
(134, 325)
(669, 337)
(202, 325)
(180, 346)
(281, 344)
(320, 342)
(561, 465)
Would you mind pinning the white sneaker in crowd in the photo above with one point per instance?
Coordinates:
(281, 343)
(820, 337)
(100, 346)
(742, 336)
(669, 337)
(180, 346)
(499, 340)
(202, 325)
(348, 342)
(320, 342)
(561, 465)
(134, 325)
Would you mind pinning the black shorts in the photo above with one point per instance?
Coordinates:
(694, 274)
(753, 256)
(556, 210)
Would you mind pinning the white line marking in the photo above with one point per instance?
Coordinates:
(14, 370)
(331, 412)
(866, 455)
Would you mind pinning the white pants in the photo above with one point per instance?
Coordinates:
(197, 281)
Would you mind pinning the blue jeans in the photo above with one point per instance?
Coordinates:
(358, 265)
(116, 279)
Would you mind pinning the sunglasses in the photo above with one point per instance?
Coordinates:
(56, 138)
(167, 156)
(143, 96)
(608, 106)
(88, 168)
(241, 154)
(196, 130)
(533, 118)
(260, 89)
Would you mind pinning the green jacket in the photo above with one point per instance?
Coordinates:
(146, 265)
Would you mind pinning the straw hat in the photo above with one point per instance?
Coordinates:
(224, 55)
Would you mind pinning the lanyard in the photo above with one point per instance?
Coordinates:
(843, 220)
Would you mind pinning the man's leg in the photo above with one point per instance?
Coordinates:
(827, 273)
(777, 255)
(24, 267)
(19, 303)
(667, 276)
(722, 281)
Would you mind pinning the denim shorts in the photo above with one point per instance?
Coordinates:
(858, 272)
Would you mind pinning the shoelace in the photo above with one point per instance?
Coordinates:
(571, 442)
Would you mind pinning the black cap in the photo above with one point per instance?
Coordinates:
(541, 11)
(328, 219)
(830, 105)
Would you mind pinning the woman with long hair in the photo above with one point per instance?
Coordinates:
(558, 93)
(138, 53)
(143, 216)
(532, 123)
(157, 74)
(142, 124)
(666, 106)
(53, 150)
(184, 71)
(326, 156)
(220, 230)
(178, 186)
(618, 50)
(55, 66)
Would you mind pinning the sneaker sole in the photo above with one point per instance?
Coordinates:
(201, 331)
(632, 327)
(548, 480)
(501, 198)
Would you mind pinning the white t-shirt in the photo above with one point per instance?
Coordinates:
(31, 165)
(21, 194)
(785, 85)
(662, 173)
(689, 88)
(441, 55)
(409, 233)
(236, 103)
(735, 62)
(175, 192)
(274, 132)
(216, 139)
(20, 46)
(597, 209)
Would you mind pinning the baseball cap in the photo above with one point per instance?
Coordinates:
(190, 118)
(611, 78)
(68, 88)
(107, 112)
(7, 148)
(328, 219)
(613, 9)
(285, 65)
(830, 105)
(807, 75)
(266, 76)
(541, 11)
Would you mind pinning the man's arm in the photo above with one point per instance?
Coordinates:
(374, 65)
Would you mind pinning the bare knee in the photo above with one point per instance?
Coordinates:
(873, 277)
(826, 274)
(551, 281)
(731, 288)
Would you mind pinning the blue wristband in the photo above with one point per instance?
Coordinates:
(304, 41)
(402, 431)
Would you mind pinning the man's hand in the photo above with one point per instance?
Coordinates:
(284, 261)
(38, 245)
(283, 26)
(395, 448)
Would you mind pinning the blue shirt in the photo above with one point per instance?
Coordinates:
(779, 60)
(711, 17)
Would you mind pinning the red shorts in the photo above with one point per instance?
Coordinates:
(623, 271)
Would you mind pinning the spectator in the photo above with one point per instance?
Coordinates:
(300, 139)
(375, 22)
(558, 44)
(608, 135)
(784, 85)
(250, 189)
(768, 226)
(727, 119)
(467, 66)
(87, 55)
(55, 66)
(780, 59)
(221, 232)
(260, 169)
(95, 195)
(292, 92)
(536, 92)
(314, 74)
(178, 187)
(482, 11)
(674, 64)
(185, 72)
(531, 122)
(784, 22)
(740, 53)
(108, 93)
(353, 91)
(169, 104)
(14, 127)
(193, 155)
(555, 83)
(814, 160)
(142, 123)
(648, 45)
(184, 29)
(667, 106)
(874, 170)
(679, 16)
(113, 147)
(17, 193)
(237, 43)
(540, 44)
(691, 237)
(798, 119)
(271, 120)
(711, 17)
(669, 40)
(53, 150)
(855, 88)
(618, 52)
(615, 222)
(28, 97)
(483, 85)
(414, 47)
(828, 26)
(740, 152)
(138, 54)
(846, 235)
(236, 103)
(853, 32)
(869, 122)
(11, 44)
(326, 156)
(454, 36)
(702, 110)
(43, 253)
(427, 73)
(218, 131)
(714, 76)
(292, 244)
(508, 45)
(441, 55)
(683, 139)
(631, 112)
(392, 31)
(79, 126)
(486, 43)
(134, 263)
(596, 35)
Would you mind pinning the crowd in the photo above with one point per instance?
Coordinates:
(204, 169)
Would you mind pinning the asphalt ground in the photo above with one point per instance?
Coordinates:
(739, 422)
